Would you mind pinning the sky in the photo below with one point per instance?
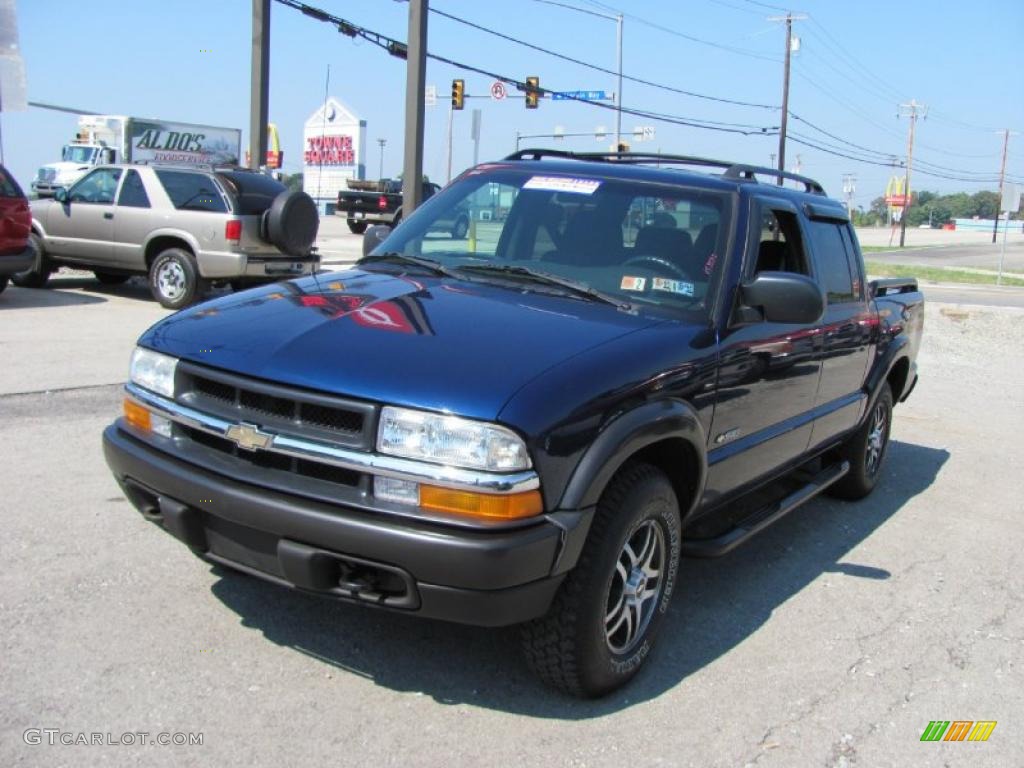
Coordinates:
(190, 61)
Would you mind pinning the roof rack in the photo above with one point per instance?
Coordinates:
(198, 166)
(737, 171)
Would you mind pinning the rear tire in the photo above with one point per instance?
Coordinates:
(357, 227)
(38, 275)
(604, 619)
(110, 278)
(865, 450)
(174, 279)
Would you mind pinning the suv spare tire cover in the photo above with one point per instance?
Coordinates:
(292, 222)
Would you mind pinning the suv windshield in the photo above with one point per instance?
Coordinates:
(654, 246)
(8, 186)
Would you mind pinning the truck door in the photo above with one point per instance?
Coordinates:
(769, 372)
(82, 229)
(133, 220)
(848, 327)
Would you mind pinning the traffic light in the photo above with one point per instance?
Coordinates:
(532, 92)
(458, 94)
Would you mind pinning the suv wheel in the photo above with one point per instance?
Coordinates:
(174, 279)
(865, 450)
(110, 278)
(602, 624)
(357, 227)
(38, 275)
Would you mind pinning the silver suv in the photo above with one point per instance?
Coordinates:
(184, 227)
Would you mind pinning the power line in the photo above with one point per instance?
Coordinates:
(596, 67)
(677, 33)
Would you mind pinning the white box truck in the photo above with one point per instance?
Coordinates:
(119, 139)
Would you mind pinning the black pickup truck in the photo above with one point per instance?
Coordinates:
(380, 202)
(626, 365)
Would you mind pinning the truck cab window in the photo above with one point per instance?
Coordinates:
(833, 263)
(133, 193)
(781, 247)
(98, 187)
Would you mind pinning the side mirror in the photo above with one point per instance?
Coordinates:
(785, 297)
(374, 236)
(61, 195)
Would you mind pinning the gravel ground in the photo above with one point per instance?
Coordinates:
(831, 639)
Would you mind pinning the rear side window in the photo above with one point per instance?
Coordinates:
(253, 191)
(133, 194)
(8, 186)
(833, 263)
(192, 191)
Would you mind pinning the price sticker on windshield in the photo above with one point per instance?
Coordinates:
(673, 286)
(563, 184)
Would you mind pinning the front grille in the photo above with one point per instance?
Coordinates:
(273, 461)
(281, 409)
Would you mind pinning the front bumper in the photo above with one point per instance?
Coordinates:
(13, 263)
(482, 577)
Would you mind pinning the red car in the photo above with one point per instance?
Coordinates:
(15, 224)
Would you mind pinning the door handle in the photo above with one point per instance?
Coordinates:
(108, 215)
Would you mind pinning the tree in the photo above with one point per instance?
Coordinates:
(292, 181)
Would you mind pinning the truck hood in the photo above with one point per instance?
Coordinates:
(427, 342)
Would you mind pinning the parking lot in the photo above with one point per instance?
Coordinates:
(831, 639)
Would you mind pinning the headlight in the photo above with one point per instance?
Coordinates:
(153, 371)
(450, 440)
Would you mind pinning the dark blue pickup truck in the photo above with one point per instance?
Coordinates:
(533, 423)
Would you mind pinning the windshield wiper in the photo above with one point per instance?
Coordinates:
(574, 287)
(393, 257)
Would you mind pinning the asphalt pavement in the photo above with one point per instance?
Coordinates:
(831, 639)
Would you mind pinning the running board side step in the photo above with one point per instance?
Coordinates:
(762, 518)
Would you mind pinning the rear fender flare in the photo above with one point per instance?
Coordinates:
(623, 437)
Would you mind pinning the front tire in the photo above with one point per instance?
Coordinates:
(39, 273)
(174, 279)
(357, 227)
(602, 624)
(865, 450)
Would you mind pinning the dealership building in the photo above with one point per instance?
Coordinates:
(334, 150)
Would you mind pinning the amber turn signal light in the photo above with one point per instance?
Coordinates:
(137, 416)
(483, 506)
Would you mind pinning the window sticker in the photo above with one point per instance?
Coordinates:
(563, 184)
(633, 283)
(709, 265)
(673, 286)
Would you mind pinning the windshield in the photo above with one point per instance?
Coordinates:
(645, 245)
(76, 154)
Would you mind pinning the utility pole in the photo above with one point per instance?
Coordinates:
(849, 189)
(382, 142)
(415, 80)
(259, 95)
(1002, 179)
(911, 109)
(618, 92)
(789, 18)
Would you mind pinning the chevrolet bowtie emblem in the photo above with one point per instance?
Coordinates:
(249, 437)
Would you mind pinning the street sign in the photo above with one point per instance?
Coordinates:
(896, 201)
(430, 96)
(581, 96)
(600, 133)
(643, 133)
(498, 91)
(1010, 202)
(559, 134)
